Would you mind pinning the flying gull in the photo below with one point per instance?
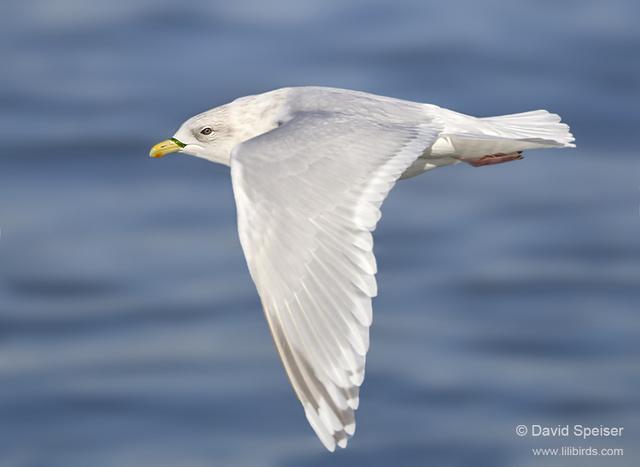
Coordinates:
(310, 168)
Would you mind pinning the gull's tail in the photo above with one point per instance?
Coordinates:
(471, 138)
(539, 127)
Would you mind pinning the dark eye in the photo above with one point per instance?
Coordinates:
(206, 131)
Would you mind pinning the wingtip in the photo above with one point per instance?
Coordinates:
(350, 429)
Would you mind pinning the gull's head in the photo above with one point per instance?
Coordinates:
(207, 135)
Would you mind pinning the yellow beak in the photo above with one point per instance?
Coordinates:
(166, 147)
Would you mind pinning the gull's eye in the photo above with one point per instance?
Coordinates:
(206, 131)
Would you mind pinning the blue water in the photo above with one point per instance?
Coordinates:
(130, 332)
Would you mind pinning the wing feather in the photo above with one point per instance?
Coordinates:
(308, 196)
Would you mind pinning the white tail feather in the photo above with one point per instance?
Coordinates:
(469, 137)
(535, 125)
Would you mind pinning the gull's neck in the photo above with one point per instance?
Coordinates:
(252, 116)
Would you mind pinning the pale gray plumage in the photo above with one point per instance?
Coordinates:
(310, 169)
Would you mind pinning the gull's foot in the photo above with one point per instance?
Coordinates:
(492, 159)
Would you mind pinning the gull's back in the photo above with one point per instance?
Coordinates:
(462, 137)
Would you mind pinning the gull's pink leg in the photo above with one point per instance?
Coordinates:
(492, 159)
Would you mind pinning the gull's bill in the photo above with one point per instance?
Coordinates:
(166, 147)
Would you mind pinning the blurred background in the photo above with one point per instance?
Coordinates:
(130, 332)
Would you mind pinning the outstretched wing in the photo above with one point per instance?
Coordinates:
(308, 196)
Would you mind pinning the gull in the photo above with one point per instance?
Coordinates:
(310, 168)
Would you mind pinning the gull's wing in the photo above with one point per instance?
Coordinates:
(308, 196)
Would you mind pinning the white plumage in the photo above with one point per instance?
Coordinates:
(310, 169)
